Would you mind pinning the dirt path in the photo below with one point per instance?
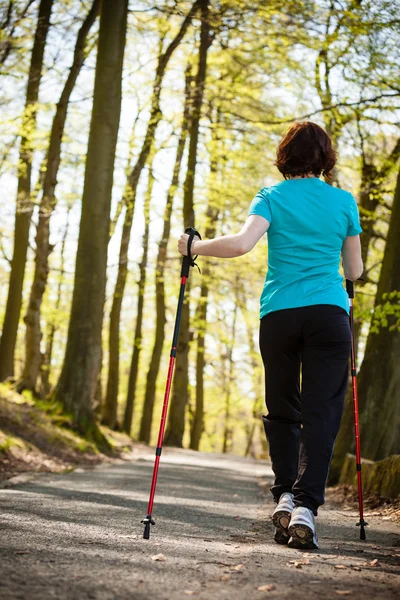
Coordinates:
(79, 536)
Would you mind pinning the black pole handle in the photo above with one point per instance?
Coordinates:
(350, 288)
(188, 261)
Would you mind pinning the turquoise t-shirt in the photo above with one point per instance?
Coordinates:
(309, 221)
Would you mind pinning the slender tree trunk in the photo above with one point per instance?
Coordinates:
(47, 205)
(379, 376)
(77, 384)
(197, 426)
(137, 340)
(180, 392)
(45, 366)
(152, 374)
(110, 409)
(24, 207)
(227, 441)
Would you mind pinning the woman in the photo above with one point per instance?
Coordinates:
(304, 324)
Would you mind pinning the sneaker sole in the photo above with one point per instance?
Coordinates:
(302, 538)
(281, 520)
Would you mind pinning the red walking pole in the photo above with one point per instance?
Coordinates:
(362, 524)
(187, 262)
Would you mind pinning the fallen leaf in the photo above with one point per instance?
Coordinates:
(340, 567)
(357, 568)
(343, 592)
(266, 588)
(237, 567)
(188, 592)
(374, 562)
(159, 557)
(386, 518)
(225, 578)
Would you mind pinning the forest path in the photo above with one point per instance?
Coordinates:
(78, 536)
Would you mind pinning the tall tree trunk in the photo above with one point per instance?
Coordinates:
(24, 207)
(45, 366)
(197, 425)
(110, 409)
(152, 374)
(77, 384)
(47, 205)
(379, 376)
(227, 440)
(137, 340)
(180, 392)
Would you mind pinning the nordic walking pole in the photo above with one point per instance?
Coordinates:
(187, 262)
(362, 524)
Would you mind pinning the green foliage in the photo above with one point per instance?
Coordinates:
(387, 314)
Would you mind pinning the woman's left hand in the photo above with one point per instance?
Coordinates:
(183, 242)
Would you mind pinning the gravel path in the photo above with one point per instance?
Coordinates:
(79, 536)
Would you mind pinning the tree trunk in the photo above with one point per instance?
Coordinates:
(137, 340)
(152, 374)
(47, 205)
(227, 442)
(45, 366)
(180, 392)
(24, 207)
(379, 376)
(77, 384)
(197, 425)
(110, 409)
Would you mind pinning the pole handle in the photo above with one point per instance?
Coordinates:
(350, 288)
(188, 261)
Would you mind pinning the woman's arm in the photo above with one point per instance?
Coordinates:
(228, 246)
(351, 255)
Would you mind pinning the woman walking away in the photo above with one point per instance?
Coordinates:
(304, 321)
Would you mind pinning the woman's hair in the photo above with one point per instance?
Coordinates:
(305, 148)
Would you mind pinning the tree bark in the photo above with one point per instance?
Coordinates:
(110, 409)
(47, 205)
(227, 440)
(77, 384)
(379, 376)
(154, 367)
(137, 340)
(24, 207)
(212, 213)
(180, 392)
(45, 366)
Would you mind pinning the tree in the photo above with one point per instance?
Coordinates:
(110, 408)
(77, 383)
(212, 213)
(180, 396)
(24, 206)
(46, 208)
(137, 338)
(154, 366)
(378, 379)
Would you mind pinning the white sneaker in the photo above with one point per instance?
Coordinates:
(281, 518)
(302, 529)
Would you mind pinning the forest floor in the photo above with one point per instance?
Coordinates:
(37, 437)
(78, 535)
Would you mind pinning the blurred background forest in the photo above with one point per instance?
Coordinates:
(122, 123)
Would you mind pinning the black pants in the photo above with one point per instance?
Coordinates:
(303, 422)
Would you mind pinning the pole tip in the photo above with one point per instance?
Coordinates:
(362, 533)
(146, 533)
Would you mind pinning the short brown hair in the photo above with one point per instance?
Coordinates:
(305, 148)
